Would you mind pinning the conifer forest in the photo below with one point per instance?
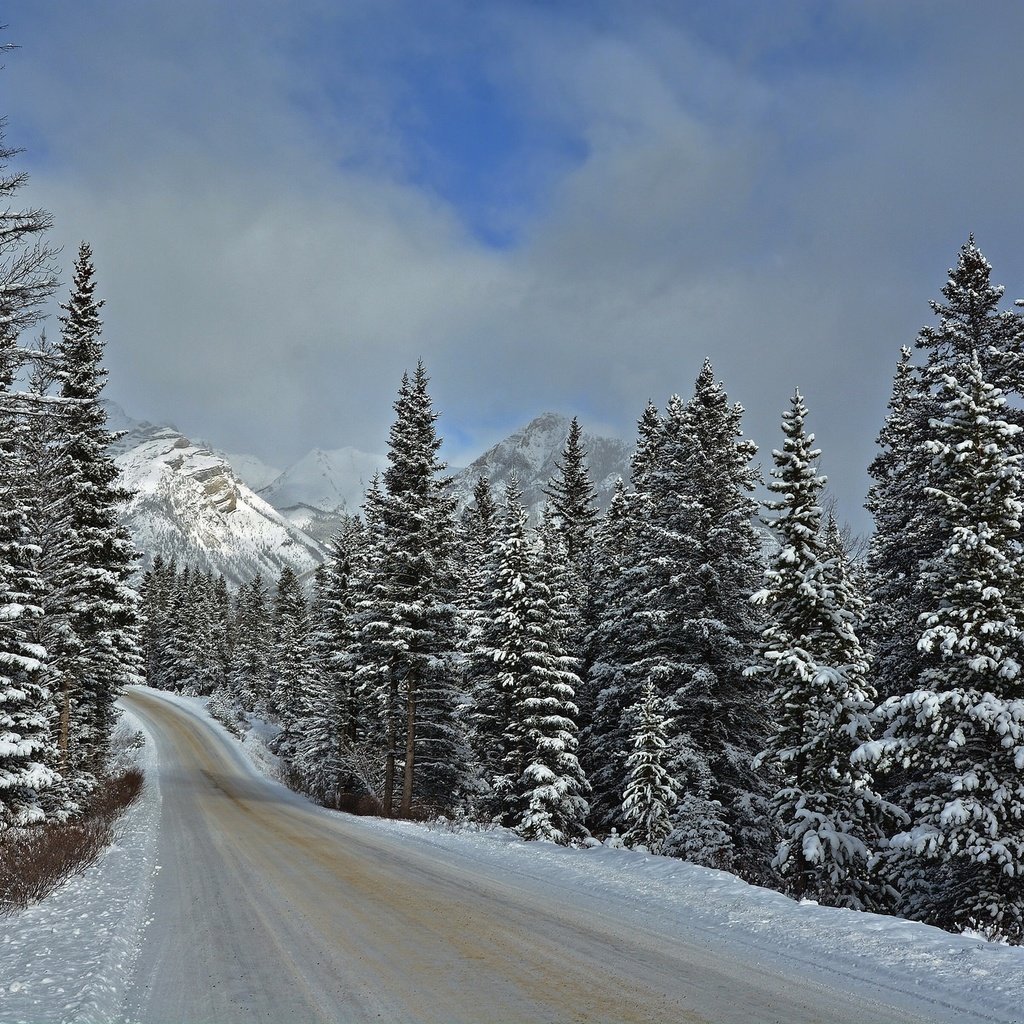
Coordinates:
(705, 676)
(710, 669)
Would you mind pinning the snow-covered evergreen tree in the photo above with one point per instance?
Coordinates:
(289, 659)
(27, 752)
(651, 792)
(542, 787)
(961, 730)
(572, 499)
(249, 674)
(904, 537)
(831, 821)
(90, 586)
(328, 755)
(621, 624)
(409, 631)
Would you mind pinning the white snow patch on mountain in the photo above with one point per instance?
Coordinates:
(251, 469)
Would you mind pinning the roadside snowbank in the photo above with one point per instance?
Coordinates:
(948, 977)
(69, 958)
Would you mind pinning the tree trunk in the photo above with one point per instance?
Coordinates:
(410, 749)
(65, 719)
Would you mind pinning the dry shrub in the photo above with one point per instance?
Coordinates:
(36, 861)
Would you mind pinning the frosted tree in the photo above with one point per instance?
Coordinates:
(651, 792)
(961, 731)
(289, 655)
(89, 584)
(905, 531)
(410, 630)
(27, 751)
(971, 326)
(572, 498)
(710, 554)
(328, 750)
(622, 623)
(249, 670)
(542, 787)
(489, 710)
(830, 819)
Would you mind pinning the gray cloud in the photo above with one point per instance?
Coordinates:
(270, 267)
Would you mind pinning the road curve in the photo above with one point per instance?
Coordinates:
(268, 909)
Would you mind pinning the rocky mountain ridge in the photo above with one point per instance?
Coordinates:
(194, 503)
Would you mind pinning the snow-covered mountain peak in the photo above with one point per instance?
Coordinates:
(534, 452)
(188, 503)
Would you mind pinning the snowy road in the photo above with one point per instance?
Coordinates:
(267, 908)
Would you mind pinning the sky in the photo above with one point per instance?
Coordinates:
(556, 205)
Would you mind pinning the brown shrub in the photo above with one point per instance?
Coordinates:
(36, 861)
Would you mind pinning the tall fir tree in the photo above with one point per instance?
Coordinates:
(542, 787)
(416, 633)
(961, 730)
(27, 279)
(572, 499)
(651, 791)
(99, 651)
(831, 821)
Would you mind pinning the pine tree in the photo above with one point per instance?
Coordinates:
(26, 745)
(329, 755)
(99, 652)
(27, 753)
(542, 787)
(572, 498)
(412, 629)
(615, 679)
(830, 818)
(249, 674)
(961, 731)
(651, 792)
(904, 537)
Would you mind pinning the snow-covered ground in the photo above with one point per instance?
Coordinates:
(70, 959)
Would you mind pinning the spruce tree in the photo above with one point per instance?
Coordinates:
(413, 628)
(542, 787)
(961, 730)
(830, 819)
(27, 753)
(651, 792)
(572, 498)
(99, 650)
(329, 756)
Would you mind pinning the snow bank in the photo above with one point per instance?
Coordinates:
(70, 957)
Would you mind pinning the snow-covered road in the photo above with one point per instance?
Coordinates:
(267, 908)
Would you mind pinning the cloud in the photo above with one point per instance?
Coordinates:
(288, 206)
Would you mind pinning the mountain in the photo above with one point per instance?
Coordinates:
(534, 453)
(331, 480)
(250, 468)
(199, 505)
(189, 504)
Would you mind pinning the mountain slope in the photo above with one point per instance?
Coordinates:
(189, 504)
(534, 453)
(331, 480)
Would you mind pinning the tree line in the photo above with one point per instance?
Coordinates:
(849, 730)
